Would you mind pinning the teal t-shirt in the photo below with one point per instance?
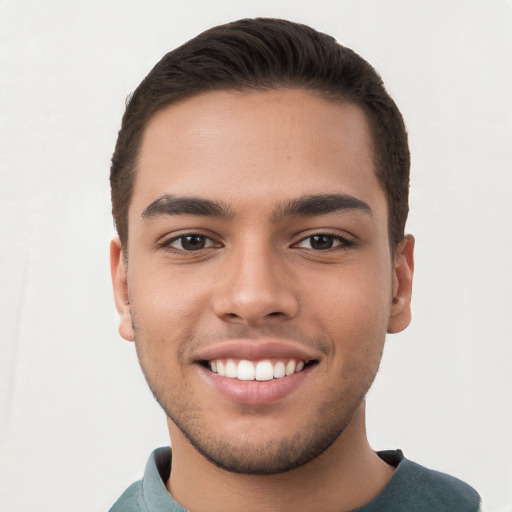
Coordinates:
(412, 488)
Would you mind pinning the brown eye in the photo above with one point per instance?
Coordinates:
(321, 242)
(193, 242)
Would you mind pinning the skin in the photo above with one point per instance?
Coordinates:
(260, 276)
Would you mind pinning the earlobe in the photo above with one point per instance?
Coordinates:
(120, 287)
(403, 270)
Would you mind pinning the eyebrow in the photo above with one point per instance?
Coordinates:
(318, 204)
(321, 204)
(172, 205)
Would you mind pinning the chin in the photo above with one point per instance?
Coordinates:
(269, 451)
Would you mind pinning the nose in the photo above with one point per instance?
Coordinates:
(256, 288)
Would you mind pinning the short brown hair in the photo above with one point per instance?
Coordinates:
(265, 53)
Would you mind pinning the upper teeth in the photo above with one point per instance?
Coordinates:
(250, 370)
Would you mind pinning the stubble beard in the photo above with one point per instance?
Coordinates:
(240, 453)
(274, 457)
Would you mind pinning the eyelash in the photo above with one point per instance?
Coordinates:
(342, 242)
(167, 244)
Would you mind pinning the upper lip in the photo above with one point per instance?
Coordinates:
(256, 350)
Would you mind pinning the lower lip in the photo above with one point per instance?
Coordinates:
(255, 392)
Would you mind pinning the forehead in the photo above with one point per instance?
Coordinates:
(255, 147)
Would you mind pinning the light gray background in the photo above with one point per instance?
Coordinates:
(77, 422)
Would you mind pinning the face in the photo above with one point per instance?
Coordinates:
(259, 283)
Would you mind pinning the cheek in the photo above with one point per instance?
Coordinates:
(166, 308)
(162, 293)
(353, 308)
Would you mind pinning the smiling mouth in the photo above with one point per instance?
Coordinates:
(262, 370)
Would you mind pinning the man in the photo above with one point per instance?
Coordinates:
(259, 189)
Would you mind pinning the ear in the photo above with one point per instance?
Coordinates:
(403, 270)
(120, 286)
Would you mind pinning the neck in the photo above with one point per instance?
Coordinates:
(347, 475)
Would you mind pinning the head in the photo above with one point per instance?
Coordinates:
(266, 54)
(260, 192)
